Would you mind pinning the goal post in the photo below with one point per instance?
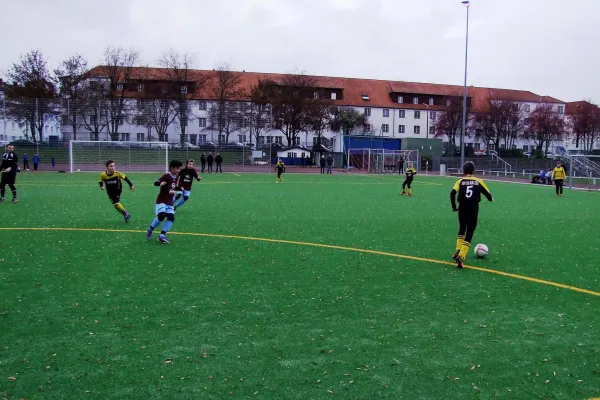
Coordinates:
(91, 156)
(382, 161)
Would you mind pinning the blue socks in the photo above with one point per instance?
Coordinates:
(154, 224)
(168, 224)
(180, 202)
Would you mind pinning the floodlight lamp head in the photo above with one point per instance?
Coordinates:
(466, 3)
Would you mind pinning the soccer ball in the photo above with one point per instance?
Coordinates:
(481, 250)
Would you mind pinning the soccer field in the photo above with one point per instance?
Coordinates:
(319, 287)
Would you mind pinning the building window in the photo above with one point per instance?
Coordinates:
(221, 138)
(164, 121)
(242, 138)
(448, 102)
(297, 141)
(527, 107)
(431, 101)
(140, 87)
(400, 99)
(417, 114)
(125, 137)
(201, 138)
(368, 112)
(333, 96)
(184, 89)
(385, 128)
(119, 86)
(432, 115)
(386, 112)
(561, 109)
(417, 130)
(202, 122)
(365, 97)
(140, 137)
(92, 136)
(401, 129)
(269, 139)
(432, 130)
(120, 120)
(402, 113)
(415, 100)
(315, 95)
(194, 139)
(526, 121)
(202, 105)
(278, 139)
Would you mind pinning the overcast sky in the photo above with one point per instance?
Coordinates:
(550, 47)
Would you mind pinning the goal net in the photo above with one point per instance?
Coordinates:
(91, 156)
(382, 161)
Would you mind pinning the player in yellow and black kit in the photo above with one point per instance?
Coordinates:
(558, 176)
(280, 168)
(410, 174)
(112, 179)
(469, 190)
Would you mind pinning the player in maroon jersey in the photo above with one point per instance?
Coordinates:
(186, 178)
(164, 201)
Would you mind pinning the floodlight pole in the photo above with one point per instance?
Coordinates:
(464, 116)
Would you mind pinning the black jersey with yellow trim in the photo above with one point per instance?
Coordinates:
(113, 181)
(469, 190)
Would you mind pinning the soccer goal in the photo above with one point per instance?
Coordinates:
(382, 161)
(91, 156)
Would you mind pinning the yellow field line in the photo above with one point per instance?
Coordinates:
(325, 246)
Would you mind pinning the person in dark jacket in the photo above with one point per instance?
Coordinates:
(210, 159)
(322, 161)
(329, 164)
(219, 162)
(203, 162)
(36, 162)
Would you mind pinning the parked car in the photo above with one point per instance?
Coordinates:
(479, 152)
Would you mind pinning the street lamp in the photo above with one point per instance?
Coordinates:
(464, 118)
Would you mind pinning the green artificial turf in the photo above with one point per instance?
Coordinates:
(105, 314)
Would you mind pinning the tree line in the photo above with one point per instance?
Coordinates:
(102, 101)
(504, 122)
(294, 104)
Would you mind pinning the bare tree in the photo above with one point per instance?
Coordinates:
(258, 113)
(585, 124)
(182, 80)
(545, 126)
(31, 93)
(225, 89)
(119, 72)
(449, 122)
(319, 118)
(349, 121)
(291, 99)
(94, 108)
(501, 121)
(72, 75)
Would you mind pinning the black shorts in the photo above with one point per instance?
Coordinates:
(8, 178)
(558, 182)
(114, 197)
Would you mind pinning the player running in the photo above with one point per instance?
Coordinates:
(164, 201)
(410, 174)
(111, 178)
(8, 169)
(185, 179)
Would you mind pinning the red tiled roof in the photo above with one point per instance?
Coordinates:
(378, 90)
(574, 106)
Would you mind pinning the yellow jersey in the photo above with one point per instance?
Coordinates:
(559, 173)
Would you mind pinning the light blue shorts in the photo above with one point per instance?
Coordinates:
(186, 193)
(164, 208)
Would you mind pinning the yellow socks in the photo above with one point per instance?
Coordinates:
(464, 249)
(119, 207)
(409, 191)
(459, 242)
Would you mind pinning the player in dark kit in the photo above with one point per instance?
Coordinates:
(469, 190)
(112, 179)
(186, 178)
(280, 168)
(410, 175)
(8, 169)
(164, 201)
